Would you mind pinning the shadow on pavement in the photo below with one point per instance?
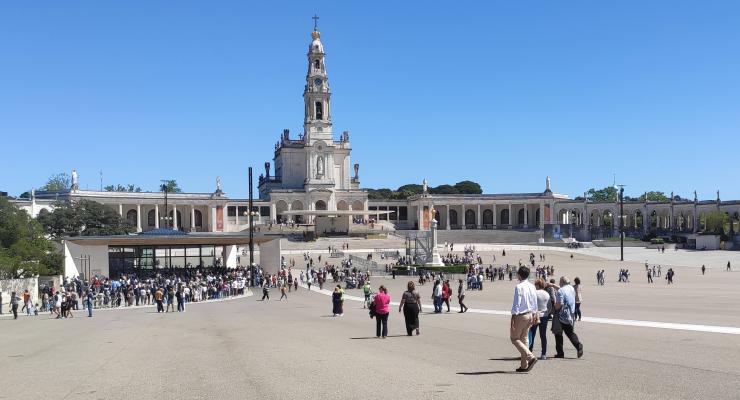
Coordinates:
(488, 373)
(373, 337)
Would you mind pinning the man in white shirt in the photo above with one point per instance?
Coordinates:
(523, 316)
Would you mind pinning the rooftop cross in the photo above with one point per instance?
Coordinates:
(315, 22)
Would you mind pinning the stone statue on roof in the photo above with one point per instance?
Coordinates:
(75, 183)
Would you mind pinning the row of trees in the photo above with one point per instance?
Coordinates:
(62, 181)
(611, 194)
(406, 191)
(24, 249)
(82, 218)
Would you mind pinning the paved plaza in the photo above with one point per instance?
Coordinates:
(244, 348)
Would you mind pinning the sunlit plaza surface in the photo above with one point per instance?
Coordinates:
(245, 348)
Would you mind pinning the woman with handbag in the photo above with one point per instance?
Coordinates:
(411, 306)
(382, 301)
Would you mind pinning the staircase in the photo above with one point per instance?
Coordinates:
(482, 236)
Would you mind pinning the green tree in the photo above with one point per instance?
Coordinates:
(57, 182)
(715, 221)
(468, 187)
(121, 188)
(607, 194)
(655, 196)
(83, 218)
(170, 187)
(24, 250)
(443, 189)
(411, 188)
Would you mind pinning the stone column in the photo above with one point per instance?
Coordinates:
(462, 225)
(192, 218)
(138, 218)
(495, 214)
(237, 215)
(447, 224)
(174, 216)
(526, 215)
(120, 210)
(511, 217)
(542, 215)
(273, 212)
(156, 216)
(478, 218)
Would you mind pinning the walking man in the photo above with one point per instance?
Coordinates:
(89, 303)
(266, 291)
(565, 308)
(523, 316)
(650, 277)
(461, 296)
(728, 266)
(14, 299)
(703, 269)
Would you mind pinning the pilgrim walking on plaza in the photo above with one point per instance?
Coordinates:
(523, 316)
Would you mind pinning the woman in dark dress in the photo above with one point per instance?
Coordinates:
(336, 300)
(411, 306)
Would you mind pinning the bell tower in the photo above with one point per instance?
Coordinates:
(317, 95)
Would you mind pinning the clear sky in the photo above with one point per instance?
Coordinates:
(500, 92)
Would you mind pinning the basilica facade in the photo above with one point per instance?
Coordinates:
(314, 171)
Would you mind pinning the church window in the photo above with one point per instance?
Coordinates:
(316, 64)
(319, 110)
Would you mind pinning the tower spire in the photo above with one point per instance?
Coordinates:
(317, 94)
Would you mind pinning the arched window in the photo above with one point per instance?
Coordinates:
(321, 205)
(198, 218)
(151, 219)
(131, 217)
(520, 217)
(504, 220)
(316, 64)
(319, 110)
(488, 217)
(470, 218)
(453, 217)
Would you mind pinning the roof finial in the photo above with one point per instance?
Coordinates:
(315, 22)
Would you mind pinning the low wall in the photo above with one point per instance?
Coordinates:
(8, 286)
(609, 243)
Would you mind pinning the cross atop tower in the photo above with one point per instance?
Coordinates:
(315, 19)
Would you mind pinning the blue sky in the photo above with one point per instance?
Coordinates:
(500, 92)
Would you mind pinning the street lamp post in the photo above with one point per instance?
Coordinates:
(251, 231)
(166, 188)
(621, 224)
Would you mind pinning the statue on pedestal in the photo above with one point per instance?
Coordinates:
(424, 187)
(75, 185)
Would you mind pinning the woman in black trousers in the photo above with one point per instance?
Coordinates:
(411, 306)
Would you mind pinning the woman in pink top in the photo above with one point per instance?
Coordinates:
(382, 300)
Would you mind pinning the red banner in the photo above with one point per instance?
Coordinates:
(219, 218)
